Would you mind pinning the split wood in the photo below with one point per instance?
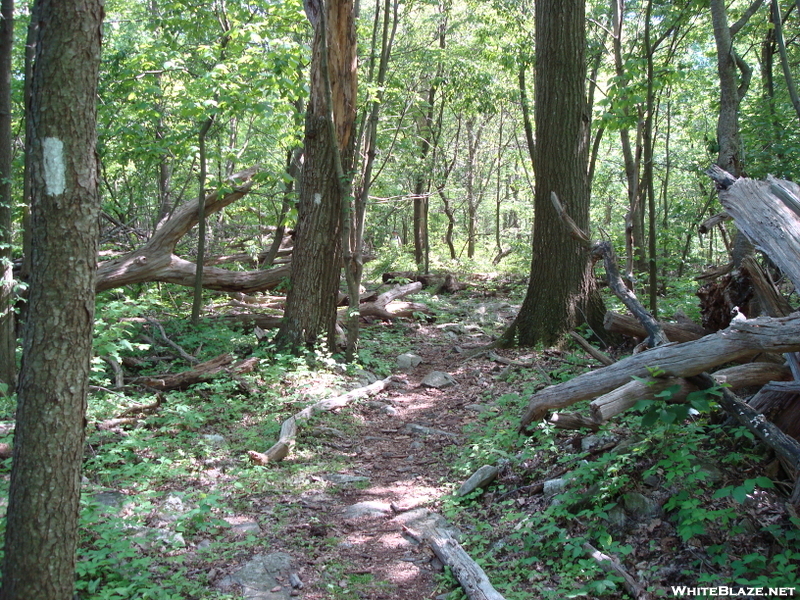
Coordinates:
(283, 446)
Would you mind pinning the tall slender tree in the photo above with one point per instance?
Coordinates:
(41, 531)
(561, 279)
(8, 367)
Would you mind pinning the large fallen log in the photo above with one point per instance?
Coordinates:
(742, 339)
(624, 397)
(156, 261)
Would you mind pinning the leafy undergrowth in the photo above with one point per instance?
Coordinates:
(680, 499)
(170, 502)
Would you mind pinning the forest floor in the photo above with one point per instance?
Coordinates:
(173, 509)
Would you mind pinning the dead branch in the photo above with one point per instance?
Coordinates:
(283, 446)
(594, 352)
(612, 565)
(615, 322)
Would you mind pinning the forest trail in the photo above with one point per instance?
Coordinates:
(398, 458)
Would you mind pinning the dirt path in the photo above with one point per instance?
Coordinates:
(401, 452)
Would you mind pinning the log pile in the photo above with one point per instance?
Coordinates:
(768, 212)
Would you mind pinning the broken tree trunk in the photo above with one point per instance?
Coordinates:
(378, 307)
(768, 213)
(202, 372)
(156, 261)
(283, 446)
(740, 340)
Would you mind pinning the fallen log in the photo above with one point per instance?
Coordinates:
(288, 433)
(742, 339)
(470, 575)
(204, 371)
(624, 397)
(626, 325)
(156, 261)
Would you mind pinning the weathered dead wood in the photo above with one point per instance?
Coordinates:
(624, 397)
(573, 421)
(378, 308)
(785, 447)
(180, 381)
(625, 324)
(156, 261)
(612, 565)
(778, 401)
(740, 340)
(594, 352)
(655, 333)
(713, 221)
(768, 213)
(470, 575)
(288, 433)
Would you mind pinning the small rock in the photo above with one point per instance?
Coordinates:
(391, 411)
(367, 509)
(551, 487)
(417, 429)
(438, 380)
(341, 478)
(408, 360)
(617, 518)
(213, 439)
(478, 408)
(639, 506)
(479, 479)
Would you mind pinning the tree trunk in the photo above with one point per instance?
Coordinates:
(732, 89)
(561, 275)
(8, 338)
(44, 497)
(310, 314)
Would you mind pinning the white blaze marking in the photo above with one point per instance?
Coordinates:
(317, 198)
(54, 169)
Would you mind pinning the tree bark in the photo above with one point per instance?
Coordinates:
(310, 314)
(733, 87)
(44, 496)
(561, 280)
(8, 338)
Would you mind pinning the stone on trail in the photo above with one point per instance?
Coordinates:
(438, 380)
(408, 360)
(368, 509)
(259, 577)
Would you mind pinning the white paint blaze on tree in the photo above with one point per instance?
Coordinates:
(44, 496)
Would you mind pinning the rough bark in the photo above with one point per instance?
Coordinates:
(8, 338)
(740, 340)
(310, 315)
(44, 497)
(561, 282)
